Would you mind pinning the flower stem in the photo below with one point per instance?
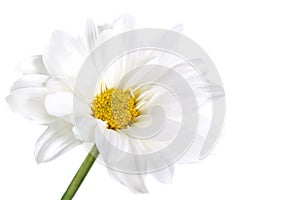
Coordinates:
(81, 174)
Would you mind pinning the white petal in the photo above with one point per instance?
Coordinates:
(149, 72)
(57, 83)
(140, 76)
(204, 90)
(190, 106)
(163, 98)
(32, 80)
(125, 64)
(120, 25)
(82, 106)
(134, 182)
(113, 145)
(64, 56)
(32, 65)
(142, 121)
(85, 128)
(29, 102)
(41, 81)
(59, 104)
(56, 140)
(91, 34)
(164, 175)
(158, 134)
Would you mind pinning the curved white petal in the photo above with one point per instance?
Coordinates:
(202, 130)
(91, 34)
(124, 65)
(148, 71)
(158, 96)
(85, 128)
(95, 34)
(60, 104)
(156, 135)
(57, 83)
(134, 182)
(64, 56)
(29, 102)
(56, 140)
(31, 80)
(140, 164)
(32, 65)
(126, 62)
(99, 34)
(142, 121)
(113, 145)
(163, 99)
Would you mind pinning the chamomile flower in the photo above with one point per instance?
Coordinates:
(116, 114)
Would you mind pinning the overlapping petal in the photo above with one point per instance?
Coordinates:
(29, 102)
(56, 140)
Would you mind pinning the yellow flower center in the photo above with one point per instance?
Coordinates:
(116, 107)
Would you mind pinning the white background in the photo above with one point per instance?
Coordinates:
(256, 48)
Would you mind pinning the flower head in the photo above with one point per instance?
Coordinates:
(131, 106)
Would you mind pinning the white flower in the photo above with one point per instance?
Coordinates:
(116, 111)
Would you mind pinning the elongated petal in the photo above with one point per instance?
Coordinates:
(85, 128)
(32, 65)
(112, 145)
(134, 182)
(91, 34)
(64, 56)
(31, 80)
(96, 34)
(125, 64)
(56, 140)
(29, 102)
(56, 83)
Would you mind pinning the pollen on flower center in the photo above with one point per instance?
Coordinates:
(116, 107)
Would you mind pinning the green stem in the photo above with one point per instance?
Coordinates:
(81, 174)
